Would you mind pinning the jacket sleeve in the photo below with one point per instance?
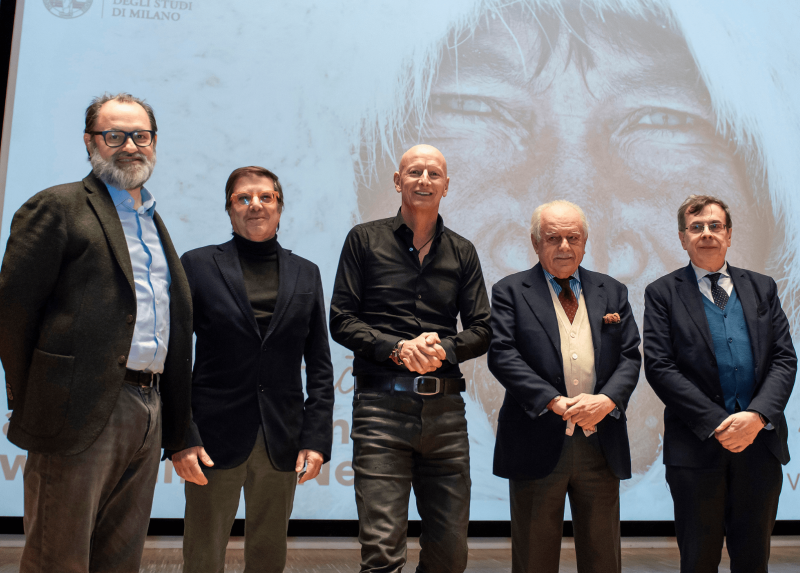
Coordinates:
(192, 434)
(773, 394)
(622, 382)
(346, 328)
(697, 410)
(506, 363)
(31, 266)
(317, 433)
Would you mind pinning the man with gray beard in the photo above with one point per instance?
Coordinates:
(95, 340)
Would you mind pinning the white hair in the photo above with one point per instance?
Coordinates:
(746, 55)
(536, 218)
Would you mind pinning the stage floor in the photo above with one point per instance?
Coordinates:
(307, 555)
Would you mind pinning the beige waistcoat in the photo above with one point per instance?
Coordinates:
(577, 352)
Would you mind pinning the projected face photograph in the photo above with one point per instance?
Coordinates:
(610, 113)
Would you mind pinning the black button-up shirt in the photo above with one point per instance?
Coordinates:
(383, 295)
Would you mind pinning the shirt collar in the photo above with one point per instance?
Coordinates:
(124, 199)
(399, 223)
(576, 275)
(701, 273)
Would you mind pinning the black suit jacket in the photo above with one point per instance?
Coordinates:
(681, 367)
(241, 381)
(525, 357)
(67, 312)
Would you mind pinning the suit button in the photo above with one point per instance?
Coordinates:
(716, 398)
(574, 382)
(122, 360)
(129, 319)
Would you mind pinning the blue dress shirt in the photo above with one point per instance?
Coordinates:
(151, 280)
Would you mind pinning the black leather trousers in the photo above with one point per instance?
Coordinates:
(402, 440)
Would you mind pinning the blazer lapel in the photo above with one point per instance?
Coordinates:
(103, 206)
(288, 269)
(686, 286)
(744, 290)
(227, 259)
(594, 294)
(537, 295)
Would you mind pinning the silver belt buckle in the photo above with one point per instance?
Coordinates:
(422, 379)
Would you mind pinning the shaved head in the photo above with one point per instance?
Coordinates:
(422, 149)
(421, 179)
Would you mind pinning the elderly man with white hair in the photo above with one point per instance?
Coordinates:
(566, 348)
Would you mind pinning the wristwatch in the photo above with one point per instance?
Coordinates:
(763, 419)
(395, 355)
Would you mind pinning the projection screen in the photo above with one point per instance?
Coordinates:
(622, 106)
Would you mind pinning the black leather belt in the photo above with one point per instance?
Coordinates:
(423, 385)
(139, 378)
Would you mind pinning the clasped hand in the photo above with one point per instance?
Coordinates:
(423, 354)
(738, 431)
(585, 410)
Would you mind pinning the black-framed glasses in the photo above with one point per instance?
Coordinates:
(117, 137)
(714, 227)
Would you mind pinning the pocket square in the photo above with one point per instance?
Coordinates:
(611, 318)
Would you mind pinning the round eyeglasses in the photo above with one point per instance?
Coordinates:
(246, 199)
(117, 138)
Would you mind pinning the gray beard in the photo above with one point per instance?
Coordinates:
(132, 176)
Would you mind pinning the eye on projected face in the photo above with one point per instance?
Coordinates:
(624, 130)
(615, 119)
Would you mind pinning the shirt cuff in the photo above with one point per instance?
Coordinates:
(615, 413)
(450, 350)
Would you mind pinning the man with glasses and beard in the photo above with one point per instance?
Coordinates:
(95, 340)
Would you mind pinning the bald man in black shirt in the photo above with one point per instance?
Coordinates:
(401, 284)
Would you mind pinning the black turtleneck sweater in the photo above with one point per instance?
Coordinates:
(259, 263)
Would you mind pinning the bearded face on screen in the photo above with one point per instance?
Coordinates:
(610, 113)
(122, 175)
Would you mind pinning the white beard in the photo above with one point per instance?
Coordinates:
(131, 176)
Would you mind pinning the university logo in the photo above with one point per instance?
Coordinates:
(68, 8)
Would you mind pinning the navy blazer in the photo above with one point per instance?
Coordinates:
(681, 366)
(241, 381)
(525, 356)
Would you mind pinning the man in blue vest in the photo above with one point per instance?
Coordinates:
(719, 354)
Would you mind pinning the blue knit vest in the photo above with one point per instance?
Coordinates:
(732, 350)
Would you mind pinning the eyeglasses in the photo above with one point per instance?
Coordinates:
(715, 227)
(246, 199)
(117, 138)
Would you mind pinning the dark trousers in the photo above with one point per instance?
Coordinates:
(738, 499)
(211, 509)
(90, 511)
(403, 440)
(537, 512)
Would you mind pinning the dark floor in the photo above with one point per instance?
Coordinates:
(783, 560)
